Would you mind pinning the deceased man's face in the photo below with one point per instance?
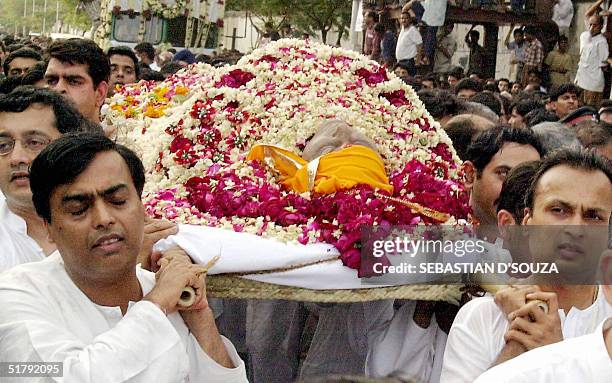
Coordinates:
(335, 135)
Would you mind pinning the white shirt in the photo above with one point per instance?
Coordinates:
(593, 54)
(397, 343)
(581, 359)
(563, 13)
(407, 42)
(17, 246)
(46, 317)
(435, 12)
(477, 335)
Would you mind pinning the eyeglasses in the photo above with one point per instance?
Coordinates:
(32, 144)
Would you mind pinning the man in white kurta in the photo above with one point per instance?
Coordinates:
(46, 318)
(593, 57)
(580, 359)
(587, 358)
(92, 309)
(17, 246)
(481, 334)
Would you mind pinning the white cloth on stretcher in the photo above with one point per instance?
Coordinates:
(250, 253)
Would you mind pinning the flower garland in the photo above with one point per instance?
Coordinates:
(194, 152)
(160, 8)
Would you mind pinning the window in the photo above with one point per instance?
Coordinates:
(125, 29)
(177, 29)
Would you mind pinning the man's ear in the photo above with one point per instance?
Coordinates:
(470, 174)
(505, 219)
(48, 229)
(101, 92)
(527, 217)
(606, 274)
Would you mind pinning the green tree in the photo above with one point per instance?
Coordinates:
(12, 15)
(311, 16)
(322, 16)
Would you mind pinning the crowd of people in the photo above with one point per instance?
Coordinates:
(535, 151)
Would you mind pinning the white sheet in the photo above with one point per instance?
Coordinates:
(244, 252)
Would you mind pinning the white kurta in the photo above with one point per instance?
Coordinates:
(16, 245)
(477, 335)
(406, 47)
(397, 343)
(581, 359)
(45, 317)
(593, 54)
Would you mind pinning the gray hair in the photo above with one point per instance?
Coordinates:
(554, 135)
(469, 107)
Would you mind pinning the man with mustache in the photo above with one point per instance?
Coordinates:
(90, 307)
(561, 206)
(30, 118)
(585, 358)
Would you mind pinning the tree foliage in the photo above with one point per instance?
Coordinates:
(310, 16)
(11, 16)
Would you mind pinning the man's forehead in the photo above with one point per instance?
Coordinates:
(106, 170)
(22, 61)
(35, 118)
(122, 60)
(559, 182)
(65, 68)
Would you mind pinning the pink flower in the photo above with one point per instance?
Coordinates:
(397, 98)
(235, 79)
(373, 78)
(180, 143)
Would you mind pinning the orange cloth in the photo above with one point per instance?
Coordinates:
(340, 170)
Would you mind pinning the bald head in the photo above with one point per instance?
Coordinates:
(463, 128)
(333, 135)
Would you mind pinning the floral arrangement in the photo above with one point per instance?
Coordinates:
(194, 148)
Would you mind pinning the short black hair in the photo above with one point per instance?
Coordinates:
(560, 90)
(512, 194)
(125, 51)
(530, 29)
(517, 31)
(152, 75)
(488, 99)
(537, 116)
(28, 53)
(439, 102)
(34, 74)
(457, 72)
(8, 84)
(468, 83)
(147, 48)
(524, 106)
(67, 118)
(66, 158)
(489, 142)
(475, 34)
(170, 68)
(82, 51)
(582, 159)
